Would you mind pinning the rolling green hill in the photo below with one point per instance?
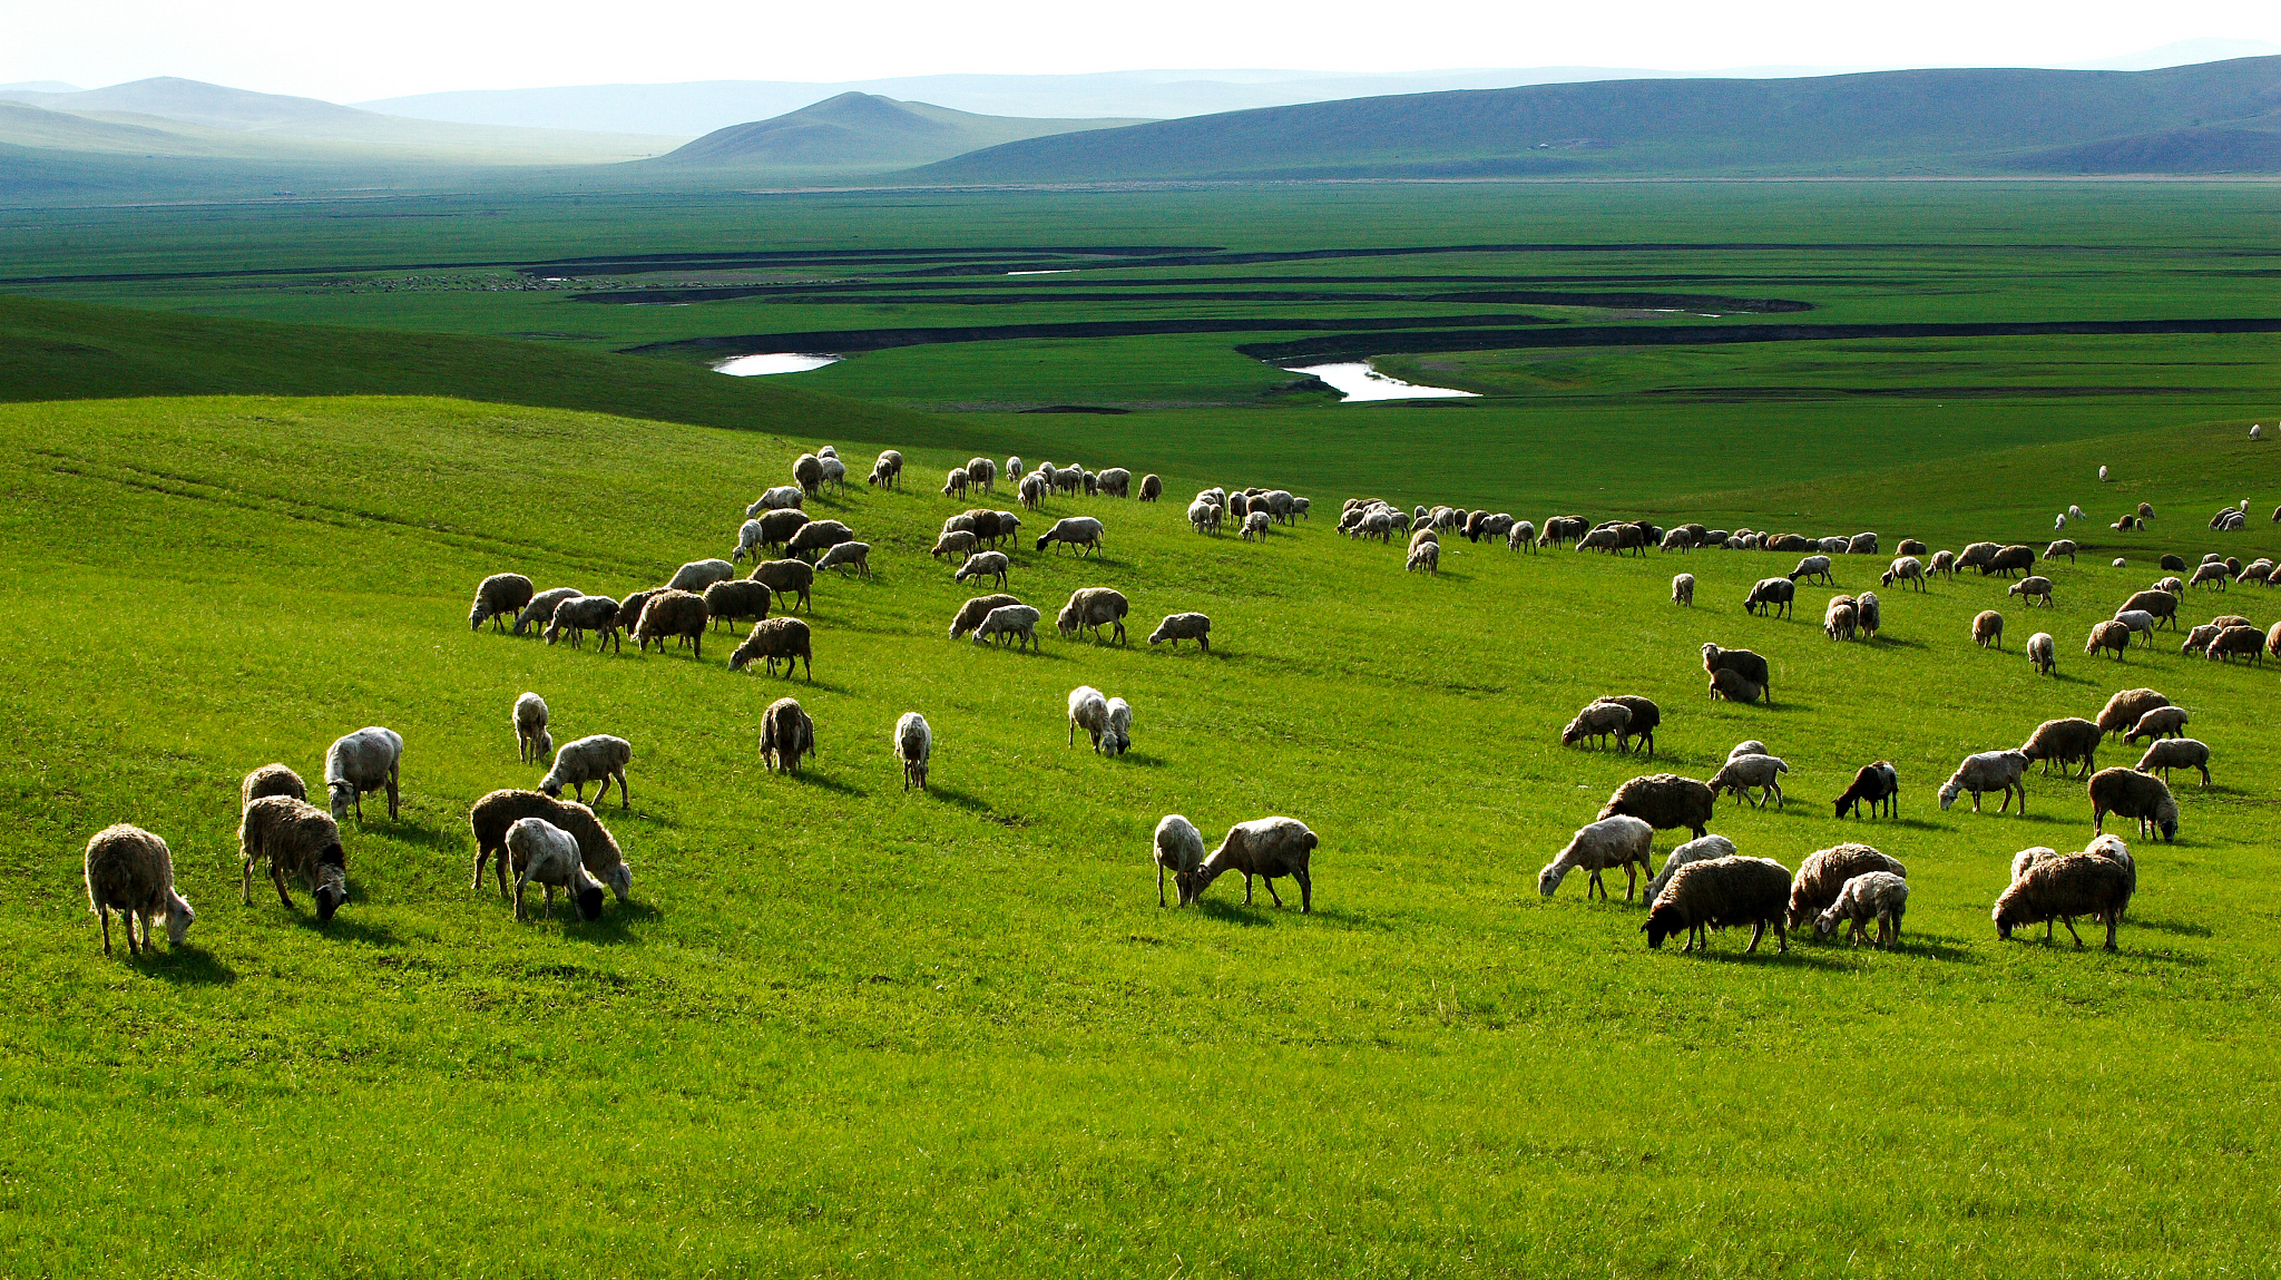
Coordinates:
(863, 131)
(1903, 122)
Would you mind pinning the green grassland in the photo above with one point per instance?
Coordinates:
(844, 1029)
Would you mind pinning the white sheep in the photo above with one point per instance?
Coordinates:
(546, 853)
(1082, 532)
(131, 871)
(1612, 842)
(1205, 516)
(1018, 621)
(2139, 621)
(1256, 525)
(1747, 747)
(914, 745)
(846, 555)
(366, 760)
(2004, 771)
(1873, 895)
(532, 741)
(1089, 710)
(594, 758)
(2043, 651)
(699, 574)
(1683, 589)
(1760, 771)
(1117, 737)
(1710, 846)
(1179, 849)
(784, 497)
(984, 564)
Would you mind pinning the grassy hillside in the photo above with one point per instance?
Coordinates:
(851, 1030)
(1899, 122)
(863, 132)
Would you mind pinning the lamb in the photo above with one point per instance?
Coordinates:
(887, 472)
(786, 734)
(1152, 488)
(2109, 635)
(1734, 686)
(2138, 622)
(1841, 619)
(777, 640)
(1817, 567)
(532, 741)
(1179, 849)
(1712, 846)
(363, 761)
(1177, 627)
(540, 610)
(2064, 887)
(1873, 784)
(2062, 547)
(2065, 742)
(1988, 629)
(2176, 753)
(498, 598)
(984, 564)
(277, 780)
(1646, 716)
(1742, 662)
(300, 841)
(1093, 607)
(1599, 720)
(818, 536)
(697, 575)
(2008, 561)
(808, 473)
(2032, 588)
(1739, 776)
(737, 600)
(1088, 710)
(491, 817)
(956, 543)
(971, 614)
(2161, 722)
(847, 555)
(784, 497)
(672, 615)
(1905, 569)
(1683, 589)
(1664, 800)
(597, 757)
(581, 614)
(1988, 771)
(1718, 892)
(2125, 708)
(1018, 621)
(131, 871)
(1426, 556)
(2162, 604)
(1823, 875)
(1875, 895)
(1118, 738)
(1771, 596)
(2238, 640)
(1269, 848)
(2043, 653)
(1082, 532)
(914, 746)
(788, 578)
(546, 853)
(1599, 847)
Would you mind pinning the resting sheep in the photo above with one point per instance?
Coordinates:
(1598, 847)
(532, 741)
(785, 640)
(1988, 771)
(546, 853)
(1743, 662)
(131, 871)
(356, 763)
(595, 758)
(2077, 884)
(497, 598)
(1874, 785)
(1873, 895)
(1269, 848)
(1664, 800)
(914, 746)
(786, 734)
(1717, 892)
(1177, 627)
(301, 841)
(2064, 742)
(1733, 686)
(490, 818)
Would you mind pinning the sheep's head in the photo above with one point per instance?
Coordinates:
(1066, 620)
(2166, 820)
(589, 899)
(342, 795)
(1825, 924)
(179, 918)
(476, 616)
(329, 900)
(546, 743)
(552, 785)
(2010, 912)
(1187, 882)
(1949, 791)
(1663, 922)
(1549, 878)
(621, 880)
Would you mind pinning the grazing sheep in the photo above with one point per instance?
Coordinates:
(808, 473)
(2238, 640)
(954, 484)
(2273, 640)
(786, 734)
(2123, 711)
(359, 762)
(1911, 547)
(2108, 635)
(278, 780)
(498, 598)
(2224, 620)
(1823, 876)
(1750, 666)
(1734, 686)
(1082, 532)
(492, 816)
(982, 473)
(2176, 753)
(835, 473)
(776, 529)
(697, 575)
(818, 536)
(1093, 608)
(1426, 556)
(2043, 651)
(2008, 561)
(2102, 475)
(1988, 629)
(1711, 846)
(1522, 537)
(1739, 776)
(2163, 605)
(1861, 544)
(1033, 491)
(1177, 627)
(540, 609)
(1118, 738)
(787, 497)
(2161, 722)
(1664, 800)
(2032, 588)
(2064, 742)
(2064, 887)
(1874, 895)
(1717, 892)
(1683, 589)
(1988, 771)
(1179, 849)
(1269, 848)
(788, 578)
(1748, 747)
(1088, 710)
(1842, 618)
(984, 564)
(672, 615)
(131, 871)
(301, 841)
(546, 853)
(2198, 640)
(1942, 563)
(595, 758)
(2138, 621)
(532, 741)
(2212, 574)
(887, 473)
(915, 745)
(1602, 846)
(1646, 716)
(1817, 567)
(737, 600)
(1255, 525)
(2145, 511)
(1905, 569)
(1874, 785)
(956, 543)
(785, 640)
(1599, 720)
(2063, 547)
(1152, 488)
(1016, 621)
(971, 614)
(1116, 482)
(1771, 594)
(847, 555)
(1976, 556)
(1204, 516)
(581, 614)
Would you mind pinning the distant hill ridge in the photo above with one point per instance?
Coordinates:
(863, 131)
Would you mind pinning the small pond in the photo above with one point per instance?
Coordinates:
(1359, 382)
(773, 362)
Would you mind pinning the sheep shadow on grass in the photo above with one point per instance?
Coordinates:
(348, 927)
(1766, 954)
(971, 803)
(2167, 926)
(827, 783)
(187, 966)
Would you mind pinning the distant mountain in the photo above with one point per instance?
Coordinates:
(2182, 53)
(864, 132)
(39, 86)
(1877, 124)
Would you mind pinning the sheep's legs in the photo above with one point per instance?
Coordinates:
(480, 857)
(103, 916)
(1758, 931)
(1247, 888)
(1269, 881)
(1306, 891)
(2071, 932)
(1159, 866)
(245, 880)
(2112, 917)
(277, 877)
(392, 793)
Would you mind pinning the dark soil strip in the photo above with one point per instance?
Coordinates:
(1049, 294)
(842, 341)
(1359, 345)
(1077, 408)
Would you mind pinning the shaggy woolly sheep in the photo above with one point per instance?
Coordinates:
(1988, 771)
(1177, 627)
(1426, 556)
(785, 640)
(786, 734)
(1178, 848)
(697, 575)
(595, 758)
(1093, 608)
(2064, 742)
(2008, 561)
(1711, 846)
(2032, 588)
(1016, 621)
(546, 853)
(301, 841)
(1942, 563)
(2212, 574)
(1750, 666)
(847, 555)
(1976, 556)
(1718, 892)
(1739, 776)
(1683, 589)
(2161, 722)
(491, 817)
(957, 543)
(363, 761)
(1599, 847)
(1824, 873)
(984, 564)
(1748, 747)
(1874, 785)
(1088, 710)
(1772, 596)
(1734, 686)
(1082, 532)
(672, 615)
(2124, 709)
(1817, 567)
(498, 598)
(2064, 887)
(277, 780)
(1599, 720)
(1152, 488)
(971, 614)
(835, 473)
(982, 473)
(131, 871)
(1988, 629)
(1116, 482)
(2232, 641)
(1269, 848)
(1664, 800)
(808, 473)
(2163, 605)
(2111, 635)
(914, 746)
(2198, 640)
(2043, 652)
(955, 482)
(2273, 640)
(737, 600)
(1205, 516)
(581, 614)
(776, 529)
(818, 536)
(1841, 618)
(540, 609)
(788, 578)
(532, 741)
(1255, 525)
(2176, 753)
(1875, 895)
(1033, 491)
(1911, 547)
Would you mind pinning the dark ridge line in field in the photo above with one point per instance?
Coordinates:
(1362, 344)
(1517, 297)
(846, 340)
(1736, 395)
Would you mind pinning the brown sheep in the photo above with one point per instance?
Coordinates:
(1732, 686)
(1645, 717)
(1873, 784)
(737, 600)
(300, 841)
(1988, 629)
(2076, 884)
(776, 640)
(270, 780)
(788, 578)
(2238, 641)
(2122, 712)
(1716, 893)
(1663, 801)
(1092, 608)
(2162, 604)
(971, 614)
(2127, 793)
(677, 615)
(490, 817)
(786, 734)
(2111, 635)
(1742, 662)
(2065, 742)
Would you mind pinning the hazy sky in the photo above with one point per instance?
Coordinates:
(351, 52)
